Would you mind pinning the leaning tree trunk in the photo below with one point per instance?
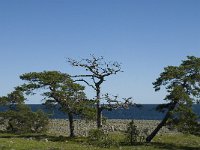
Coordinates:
(71, 125)
(99, 110)
(162, 123)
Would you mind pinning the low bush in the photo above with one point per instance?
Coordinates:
(21, 119)
(98, 138)
(134, 135)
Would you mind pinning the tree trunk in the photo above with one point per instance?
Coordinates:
(99, 116)
(162, 123)
(71, 124)
(99, 110)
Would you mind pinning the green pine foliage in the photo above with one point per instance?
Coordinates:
(132, 133)
(21, 119)
(58, 89)
(183, 90)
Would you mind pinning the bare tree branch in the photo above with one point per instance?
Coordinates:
(113, 102)
(77, 76)
(86, 83)
(99, 69)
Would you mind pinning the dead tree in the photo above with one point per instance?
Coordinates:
(98, 70)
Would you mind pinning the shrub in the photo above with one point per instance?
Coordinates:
(21, 119)
(96, 134)
(132, 133)
(98, 138)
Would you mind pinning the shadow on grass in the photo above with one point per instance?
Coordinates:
(159, 145)
(43, 137)
(171, 146)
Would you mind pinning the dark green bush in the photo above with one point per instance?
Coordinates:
(21, 119)
(98, 138)
(96, 135)
(132, 133)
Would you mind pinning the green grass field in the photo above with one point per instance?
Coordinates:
(40, 142)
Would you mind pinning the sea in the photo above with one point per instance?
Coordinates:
(144, 112)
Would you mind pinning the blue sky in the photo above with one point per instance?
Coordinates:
(144, 35)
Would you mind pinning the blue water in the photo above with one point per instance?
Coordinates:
(146, 112)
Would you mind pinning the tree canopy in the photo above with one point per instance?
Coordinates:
(58, 88)
(183, 87)
(18, 117)
(15, 97)
(97, 70)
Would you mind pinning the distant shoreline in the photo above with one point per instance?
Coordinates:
(146, 112)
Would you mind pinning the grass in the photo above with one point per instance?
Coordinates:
(40, 142)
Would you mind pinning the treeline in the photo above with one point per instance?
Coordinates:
(181, 82)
